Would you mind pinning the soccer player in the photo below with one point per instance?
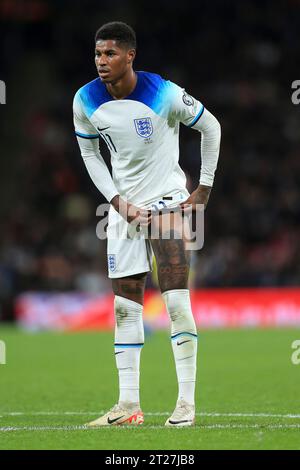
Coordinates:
(138, 115)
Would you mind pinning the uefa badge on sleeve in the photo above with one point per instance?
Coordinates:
(187, 99)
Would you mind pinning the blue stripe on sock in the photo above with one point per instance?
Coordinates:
(184, 334)
(129, 345)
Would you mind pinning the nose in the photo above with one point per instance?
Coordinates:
(102, 60)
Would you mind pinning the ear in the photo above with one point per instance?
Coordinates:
(130, 56)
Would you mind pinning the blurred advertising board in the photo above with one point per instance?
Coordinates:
(212, 308)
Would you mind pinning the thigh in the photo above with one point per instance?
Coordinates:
(130, 287)
(172, 258)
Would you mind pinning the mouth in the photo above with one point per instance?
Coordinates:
(103, 73)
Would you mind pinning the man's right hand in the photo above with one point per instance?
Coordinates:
(131, 213)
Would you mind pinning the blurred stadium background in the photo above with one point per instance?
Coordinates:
(239, 59)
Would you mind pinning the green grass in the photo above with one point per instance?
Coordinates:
(239, 372)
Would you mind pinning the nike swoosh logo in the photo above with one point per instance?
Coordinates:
(119, 352)
(103, 129)
(182, 421)
(110, 421)
(182, 342)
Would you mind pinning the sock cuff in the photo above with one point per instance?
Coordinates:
(177, 298)
(178, 305)
(123, 301)
(175, 291)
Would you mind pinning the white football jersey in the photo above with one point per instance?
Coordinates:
(141, 132)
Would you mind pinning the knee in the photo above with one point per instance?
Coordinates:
(129, 322)
(126, 310)
(178, 306)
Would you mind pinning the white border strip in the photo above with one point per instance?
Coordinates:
(159, 413)
(199, 427)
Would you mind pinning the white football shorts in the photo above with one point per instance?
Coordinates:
(128, 251)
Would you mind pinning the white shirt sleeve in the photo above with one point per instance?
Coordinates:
(210, 129)
(87, 137)
(192, 113)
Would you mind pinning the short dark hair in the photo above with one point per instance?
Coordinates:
(118, 31)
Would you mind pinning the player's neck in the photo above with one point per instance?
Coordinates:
(124, 86)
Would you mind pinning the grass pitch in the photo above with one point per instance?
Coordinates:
(247, 392)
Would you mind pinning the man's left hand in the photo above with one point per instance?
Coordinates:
(199, 196)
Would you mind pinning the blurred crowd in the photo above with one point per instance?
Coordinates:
(238, 58)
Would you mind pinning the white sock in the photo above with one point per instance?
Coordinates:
(129, 340)
(184, 341)
(184, 348)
